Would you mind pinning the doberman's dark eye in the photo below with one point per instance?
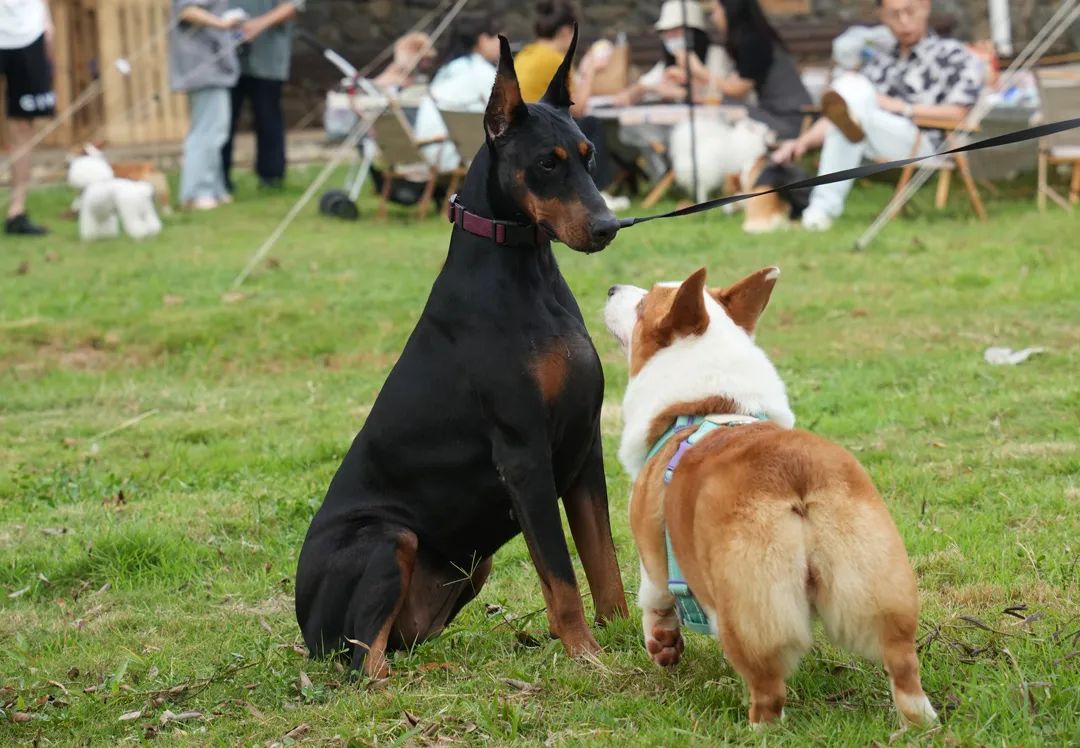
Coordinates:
(546, 163)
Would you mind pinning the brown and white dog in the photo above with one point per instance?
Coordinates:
(770, 525)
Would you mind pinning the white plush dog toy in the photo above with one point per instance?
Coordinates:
(106, 205)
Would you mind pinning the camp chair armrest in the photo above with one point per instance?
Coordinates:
(432, 141)
(940, 123)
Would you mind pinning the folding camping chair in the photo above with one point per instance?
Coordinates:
(466, 131)
(945, 166)
(403, 157)
(1059, 90)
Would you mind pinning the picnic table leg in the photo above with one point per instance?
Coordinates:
(659, 190)
(969, 184)
(384, 201)
(1074, 187)
(944, 181)
(1041, 194)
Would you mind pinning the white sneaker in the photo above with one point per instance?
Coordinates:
(615, 204)
(815, 219)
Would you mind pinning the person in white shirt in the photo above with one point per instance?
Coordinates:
(463, 83)
(25, 40)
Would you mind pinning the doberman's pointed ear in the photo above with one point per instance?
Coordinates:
(688, 315)
(505, 107)
(558, 91)
(747, 299)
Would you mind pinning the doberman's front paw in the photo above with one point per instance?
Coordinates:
(580, 644)
(665, 646)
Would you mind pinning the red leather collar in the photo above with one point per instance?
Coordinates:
(500, 232)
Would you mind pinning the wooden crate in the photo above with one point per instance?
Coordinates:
(132, 109)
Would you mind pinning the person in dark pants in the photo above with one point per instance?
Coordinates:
(264, 68)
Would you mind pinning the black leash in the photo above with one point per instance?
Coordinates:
(1018, 136)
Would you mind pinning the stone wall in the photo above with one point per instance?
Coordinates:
(359, 29)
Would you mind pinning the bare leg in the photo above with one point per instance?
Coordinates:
(21, 131)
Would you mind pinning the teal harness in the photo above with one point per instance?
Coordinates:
(690, 613)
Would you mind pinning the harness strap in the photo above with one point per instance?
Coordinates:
(691, 615)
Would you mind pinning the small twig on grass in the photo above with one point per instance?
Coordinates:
(125, 425)
(1024, 691)
(1031, 558)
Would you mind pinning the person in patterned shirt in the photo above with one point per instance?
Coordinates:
(870, 114)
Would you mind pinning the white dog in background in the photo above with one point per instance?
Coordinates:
(723, 150)
(105, 202)
(105, 206)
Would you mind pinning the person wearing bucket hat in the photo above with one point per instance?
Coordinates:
(764, 69)
(681, 22)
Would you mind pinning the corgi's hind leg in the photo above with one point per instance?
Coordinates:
(763, 612)
(868, 601)
(898, 654)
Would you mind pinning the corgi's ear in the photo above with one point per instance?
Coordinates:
(505, 107)
(747, 299)
(688, 315)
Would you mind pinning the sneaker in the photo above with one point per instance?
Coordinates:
(615, 204)
(203, 203)
(21, 225)
(835, 109)
(815, 219)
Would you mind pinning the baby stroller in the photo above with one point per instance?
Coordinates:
(356, 103)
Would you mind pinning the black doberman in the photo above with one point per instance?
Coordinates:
(489, 416)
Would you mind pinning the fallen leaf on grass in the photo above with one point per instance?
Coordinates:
(304, 681)
(253, 710)
(19, 593)
(411, 718)
(168, 716)
(73, 673)
(23, 269)
(54, 531)
(70, 441)
(128, 716)
(298, 732)
(265, 626)
(231, 297)
(20, 717)
(521, 685)
(428, 667)
(59, 685)
(172, 299)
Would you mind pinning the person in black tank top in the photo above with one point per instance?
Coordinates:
(762, 66)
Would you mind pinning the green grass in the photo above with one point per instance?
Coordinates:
(179, 595)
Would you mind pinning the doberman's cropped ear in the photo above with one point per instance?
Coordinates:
(558, 91)
(505, 107)
(747, 299)
(688, 315)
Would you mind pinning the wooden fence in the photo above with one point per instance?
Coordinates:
(130, 109)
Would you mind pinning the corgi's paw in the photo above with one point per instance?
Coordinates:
(665, 646)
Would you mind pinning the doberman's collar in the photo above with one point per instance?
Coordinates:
(689, 610)
(500, 232)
